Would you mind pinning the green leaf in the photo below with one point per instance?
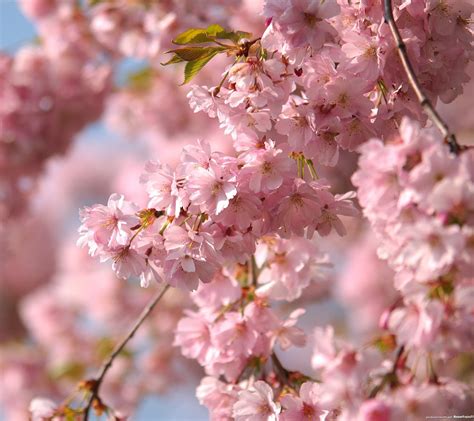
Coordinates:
(194, 53)
(236, 36)
(174, 60)
(195, 36)
(193, 67)
(214, 30)
(70, 414)
(198, 56)
(209, 34)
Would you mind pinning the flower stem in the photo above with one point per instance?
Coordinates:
(97, 381)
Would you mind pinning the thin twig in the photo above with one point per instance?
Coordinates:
(398, 358)
(282, 373)
(253, 271)
(97, 381)
(415, 84)
(390, 377)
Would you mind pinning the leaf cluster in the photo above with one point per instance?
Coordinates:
(201, 45)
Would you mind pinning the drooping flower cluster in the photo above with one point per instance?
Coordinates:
(419, 198)
(235, 329)
(210, 212)
(235, 333)
(354, 385)
(361, 384)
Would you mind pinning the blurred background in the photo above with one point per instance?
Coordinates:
(33, 251)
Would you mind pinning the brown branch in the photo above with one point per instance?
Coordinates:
(415, 84)
(97, 381)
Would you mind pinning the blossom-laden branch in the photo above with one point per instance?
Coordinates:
(94, 384)
(425, 103)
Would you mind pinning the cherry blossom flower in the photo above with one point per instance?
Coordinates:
(194, 338)
(235, 334)
(266, 169)
(107, 227)
(243, 209)
(331, 206)
(162, 188)
(187, 261)
(305, 23)
(219, 397)
(374, 409)
(256, 404)
(299, 209)
(288, 335)
(211, 189)
(418, 323)
(305, 406)
(291, 265)
(42, 409)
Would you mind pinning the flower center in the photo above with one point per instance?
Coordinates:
(267, 167)
(308, 411)
(297, 200)
(370, 52)
(311, 19)
(216, 188)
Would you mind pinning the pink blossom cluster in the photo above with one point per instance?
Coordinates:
(45, 100)
(122, 28)
(237, 227)
(235, 332)
(300, 28)
(418, 197)
(51, 91)
(361, 384)
(246, 381)
(235, 329)
(326, 75)
(209, 212)
(349, 389)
